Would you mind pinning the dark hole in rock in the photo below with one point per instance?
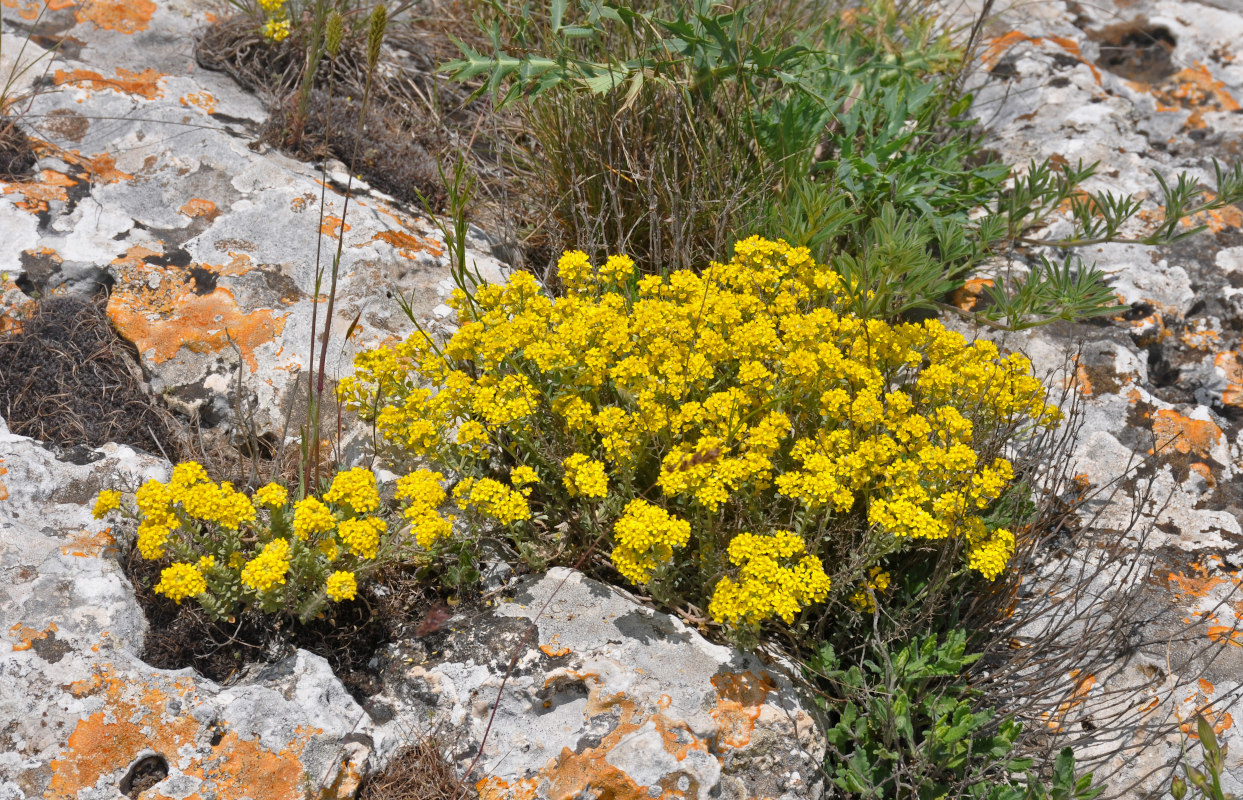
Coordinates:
(145, 773)
(1161, 372)
(66, 378)
(350, 635)
(1136, 51)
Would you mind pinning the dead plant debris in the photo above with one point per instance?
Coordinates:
(418, 772)
(17, 156)
(67, 378)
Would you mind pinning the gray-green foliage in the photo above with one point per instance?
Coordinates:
(861, 143)
(907, 725)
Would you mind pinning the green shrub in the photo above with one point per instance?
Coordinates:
(664, 131)
(907, 725)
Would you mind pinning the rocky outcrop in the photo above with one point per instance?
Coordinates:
(1142, 86)
(605, 696)
(81, 716)
(147, 184)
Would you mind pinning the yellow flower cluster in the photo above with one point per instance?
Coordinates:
(645, 536)
(765, 587)
(863, 599)
(310, 516)
(744, 393)
(271, 495)
(424, 494)
(190, 494)
(355, 488)
(268, 569)
(341, 585)
(988, 552)
(180, 581)
(362, 535)
(277, 27)
(492, 499)
(585, 477)
(108, 500)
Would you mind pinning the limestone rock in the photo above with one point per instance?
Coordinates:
(81, 716)
(606, 696)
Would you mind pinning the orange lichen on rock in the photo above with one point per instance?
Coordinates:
(198, 207)
(101, 168)
(408, 245)
(141, 84)
(740, 698)
(1221, 219)
(30, 10)
(998, 47)
(122, 16)
(143, 715)
(1078, 695)
(85, 544)
(1195, 89)
(202, 100)
(4, 490)
(494, 788)
(1196, 585)
(202, 323)
(27, 635)
(1229, 634)
(49, 185)
(333, 226)
(1183, 434)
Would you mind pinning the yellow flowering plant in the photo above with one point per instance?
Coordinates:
(269, 551)
(723, 433)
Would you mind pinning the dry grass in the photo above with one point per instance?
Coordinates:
(419, 771)
(67, 378)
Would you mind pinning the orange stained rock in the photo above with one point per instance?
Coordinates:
(202, 100)
(198, 207)
(26, 635)
(1194, 88)
(1183, 434)
(30, 10)
(4, 490)
(142, 84)
(740, 697)
(494, 788)
(85, 544)
(1228, 218)
(1229, 634)
(333, 226)
(1205, 472)
(100, 168)
(998, 47)
(1080, 380)
(1200, 339)
(122, 16)
(49, 185)
(1077, 697)
(201, 323)
(1197, 585)
(408, 245)
(137, 716)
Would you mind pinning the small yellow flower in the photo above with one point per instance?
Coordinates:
(310, 516)
(273, 495)
(107, 501)
(180, 581)
(355, 488)
(362, 536)
(275, 30)
(341, 585)
(268, 569)
(585, 477)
